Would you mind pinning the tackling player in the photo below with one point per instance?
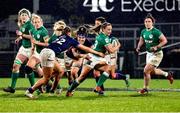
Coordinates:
(76, 54)
(48, 62)
(58, 29)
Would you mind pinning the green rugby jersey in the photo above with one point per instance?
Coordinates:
(101, 41)
(40, 35)
(27, 29)
(53, 37)
(151, 38)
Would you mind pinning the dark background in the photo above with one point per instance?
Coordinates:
(73, 11)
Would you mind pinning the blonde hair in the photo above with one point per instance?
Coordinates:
(35, 16)
(59, 25)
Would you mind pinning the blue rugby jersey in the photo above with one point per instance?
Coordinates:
(69, 53)
(63, 43)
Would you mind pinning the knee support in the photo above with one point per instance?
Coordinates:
(17, 61)
(28, 70)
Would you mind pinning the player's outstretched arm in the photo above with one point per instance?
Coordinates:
(87, 49)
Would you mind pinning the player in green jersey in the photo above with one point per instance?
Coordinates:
(39, 41)
(25, 51)
(154, 40)
(112, 61)
(102, 44)
(111, 58)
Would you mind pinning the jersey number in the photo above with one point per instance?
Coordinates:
(96, 43)
(61, 41)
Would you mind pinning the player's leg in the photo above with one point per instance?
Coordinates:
(70, 78)
(158, 58)
(148, 69)
(47, 63)
(168, 75)
(97, 74)
(39, 70)
(14, 77)
(85, 70)
(59, 72)
(62, 64)
(74, 72)
(47, 75)
(32, 65)
(118, 75)
(147, 77)
(104, 68)
(68, 64)
(75, 69)
(20, 58)
(29, 69)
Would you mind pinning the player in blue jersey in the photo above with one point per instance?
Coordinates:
(76, 54)
(58, 29)
(48, 62)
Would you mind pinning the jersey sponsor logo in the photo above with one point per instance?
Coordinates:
(23, 29)
(150, 36)
(107, 40)
(148, 41)
(133, 5)
(99, 5)
(144, 36)
(149, 5)
(38, 36)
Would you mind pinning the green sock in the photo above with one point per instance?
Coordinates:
(73, 86)
(14, 77)
(104, 76)
(31, 78)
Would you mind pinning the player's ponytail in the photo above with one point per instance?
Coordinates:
(102, 20)
(104, 25)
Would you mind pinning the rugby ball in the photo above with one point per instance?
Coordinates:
(114, 42)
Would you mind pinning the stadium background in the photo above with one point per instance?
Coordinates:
(127, 27)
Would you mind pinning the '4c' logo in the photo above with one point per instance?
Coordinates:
(98, 4)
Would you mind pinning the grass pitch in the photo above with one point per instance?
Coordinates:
(163, 98)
